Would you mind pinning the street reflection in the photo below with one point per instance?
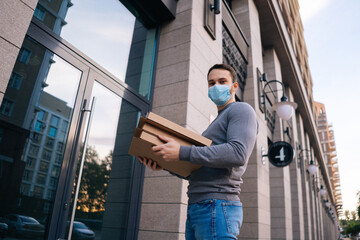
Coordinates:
(36, 114)
(34, 124)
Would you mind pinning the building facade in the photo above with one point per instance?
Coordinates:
(77, 75)
(327, 139)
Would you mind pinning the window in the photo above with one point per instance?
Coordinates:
(64, 125)
(52, 132)
(36, 138)
(30, 162)
(24, 55)
(54, 121)
(38, 192)
(25, 189)
(15, 80)
(53, 182)
(50, 142)
(41, 115)
(41, 179)
(46, 155)
(7, 107)
(39, 13)
(39, 126)
(55, 171)
(27, 175)
(34, 150)
(60, 147)
(50, 195)
(58, 159)
(44, 166)
(100, 49)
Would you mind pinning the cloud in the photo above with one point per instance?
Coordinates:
(309, 8)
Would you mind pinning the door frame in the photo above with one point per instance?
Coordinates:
(90, 71)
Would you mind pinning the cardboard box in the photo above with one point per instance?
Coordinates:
(145, 137)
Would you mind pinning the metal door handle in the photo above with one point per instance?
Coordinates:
(91, 112)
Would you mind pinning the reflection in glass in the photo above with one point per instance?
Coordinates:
(42, 101)
(100, 29)
(107, 33)
(105, 188)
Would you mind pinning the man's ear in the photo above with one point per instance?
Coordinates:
(235, 86)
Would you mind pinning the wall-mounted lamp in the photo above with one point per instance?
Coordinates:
(284, 109)
(322, 191)
(327, 204)
(215, 7)
(311, 168)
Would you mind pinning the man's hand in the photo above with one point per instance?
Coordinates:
(150, 163)
(168, 151)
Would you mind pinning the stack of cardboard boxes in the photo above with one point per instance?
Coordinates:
(146, 136)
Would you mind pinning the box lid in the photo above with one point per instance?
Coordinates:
(175, 129)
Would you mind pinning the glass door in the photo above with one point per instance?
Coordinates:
(45, 163)
(101, 195)
(36, 115)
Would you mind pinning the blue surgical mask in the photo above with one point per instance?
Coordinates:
(219, 94)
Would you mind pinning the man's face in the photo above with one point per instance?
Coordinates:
(219, 76)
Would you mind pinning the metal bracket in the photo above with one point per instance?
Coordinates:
(263, 155)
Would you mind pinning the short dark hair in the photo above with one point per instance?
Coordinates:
(224, 67)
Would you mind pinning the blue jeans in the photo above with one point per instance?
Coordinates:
(213, 219)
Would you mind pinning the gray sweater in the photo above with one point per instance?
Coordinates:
(233, 133)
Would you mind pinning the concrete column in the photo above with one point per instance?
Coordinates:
(255, 191)
(304, 180)
(295, 176)
(186, 52)
(313, 210)
(296, 186)
(310, 196)
(320, 218)
(15, 17)
(280, 193)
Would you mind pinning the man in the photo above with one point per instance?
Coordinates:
(214, 207)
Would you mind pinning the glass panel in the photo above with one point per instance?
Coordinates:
(29, 166)
(100, 29)
(140, 67)
(108, 33)
(104, 196)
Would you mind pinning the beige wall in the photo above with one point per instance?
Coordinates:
(278, 203)
(280, 194)
(255, 191)
(15, 17)
(186, 52)
(296, 187)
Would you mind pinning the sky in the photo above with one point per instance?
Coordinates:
(332, 36)
(108, 39)
(107, 42)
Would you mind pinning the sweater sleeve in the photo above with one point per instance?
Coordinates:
(241, 136)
